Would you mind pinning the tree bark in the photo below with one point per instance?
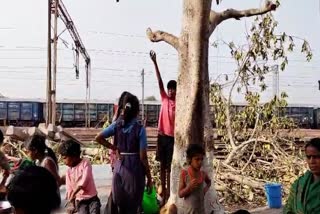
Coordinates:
(192, 100)
(192, 111)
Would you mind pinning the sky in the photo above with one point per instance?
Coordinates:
(114, 36)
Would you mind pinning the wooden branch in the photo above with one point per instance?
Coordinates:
(228, 122)
(253, 151)
(213, 21)
(159, 36)
(230, 168)
(255, 125)
(244, 180)
(238, 14)
(234, 151)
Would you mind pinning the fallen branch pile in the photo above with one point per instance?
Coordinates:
(240, 179)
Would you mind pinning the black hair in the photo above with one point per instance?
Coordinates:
(38, 142)
(241, 212)
(120, 104)
(34, 190)
(172, 84)
(314, 142)
(1, 137)
(70, 148)
(130, 107)
(193, 150)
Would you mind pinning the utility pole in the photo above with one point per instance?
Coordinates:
(55, 44)
(275, 70)
(142, 82)
(49, 103)
(57, 8)
(79, 48)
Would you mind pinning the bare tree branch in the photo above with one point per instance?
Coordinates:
(213, 21)
(255, 125)
(216, 18)
(159, 36)
(243, 180)
(235, 150)
(252, 153)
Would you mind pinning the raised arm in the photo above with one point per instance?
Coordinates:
(160, 82)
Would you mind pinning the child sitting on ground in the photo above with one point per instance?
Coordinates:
(194, 183)
(81, 189)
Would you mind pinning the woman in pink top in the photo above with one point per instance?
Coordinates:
(81, 189)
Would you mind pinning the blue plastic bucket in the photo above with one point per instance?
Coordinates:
(274, 195)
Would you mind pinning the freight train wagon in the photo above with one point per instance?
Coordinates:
(21, 112)
(72, 113)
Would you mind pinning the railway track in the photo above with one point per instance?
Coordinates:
(86, 135)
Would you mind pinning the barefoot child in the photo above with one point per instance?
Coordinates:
(80, 184)
(165, 142)
(194, 183)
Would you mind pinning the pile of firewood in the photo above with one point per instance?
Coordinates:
(242, 180)
(16, 136)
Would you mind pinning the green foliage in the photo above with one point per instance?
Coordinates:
(267, 117)
(265, 51)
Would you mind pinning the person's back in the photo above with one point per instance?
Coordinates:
(131, 167)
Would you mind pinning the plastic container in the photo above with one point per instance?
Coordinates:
(274, 195)
(149, 202)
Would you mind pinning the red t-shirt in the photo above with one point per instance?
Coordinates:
(167, 115)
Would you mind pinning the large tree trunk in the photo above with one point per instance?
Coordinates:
(192, 99)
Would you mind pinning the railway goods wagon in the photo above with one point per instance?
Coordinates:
(151, 113)
(303, 116)
(73, 113)
(21, 113)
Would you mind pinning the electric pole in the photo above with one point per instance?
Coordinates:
(49, 103)
(275, 69)
(142, 82)
(57, 8)
(55, 44)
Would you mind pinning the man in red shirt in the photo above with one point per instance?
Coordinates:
(165, 129)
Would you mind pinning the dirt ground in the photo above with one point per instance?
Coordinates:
(103, 176)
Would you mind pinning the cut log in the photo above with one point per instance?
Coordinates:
(91, 151)
(42, 127)
(17, 133)
(243, 180)
(52, 129)
(65, 136)
(57, 136)
(34, 131)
